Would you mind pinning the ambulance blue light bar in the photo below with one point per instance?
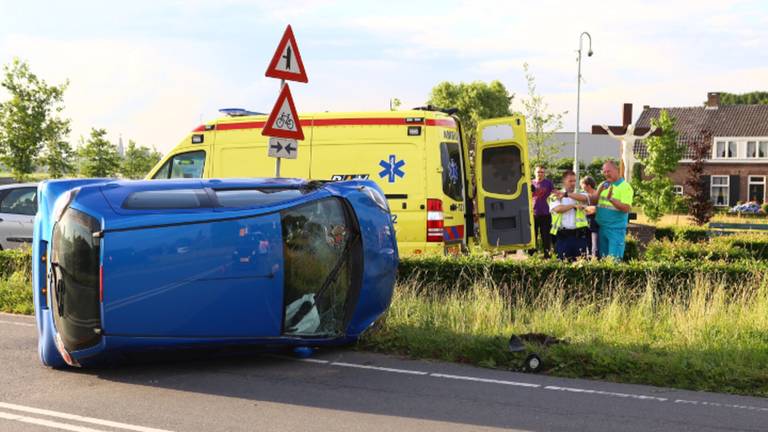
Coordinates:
(238, 112)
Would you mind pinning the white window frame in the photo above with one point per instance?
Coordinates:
(677, 189)
(761, 182)
(726, 185)
(741, 154)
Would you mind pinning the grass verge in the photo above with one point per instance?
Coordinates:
(713, 338)
(16, 294)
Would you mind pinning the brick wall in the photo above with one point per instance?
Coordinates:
(730, 169)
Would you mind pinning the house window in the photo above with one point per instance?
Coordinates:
(756, 189)
(720, 190)
(726, 149)
(757, 149)
(677, 189)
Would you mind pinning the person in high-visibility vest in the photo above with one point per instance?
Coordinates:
(613, 208)
(569, 222)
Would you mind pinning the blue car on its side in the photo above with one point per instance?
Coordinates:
(137, 266)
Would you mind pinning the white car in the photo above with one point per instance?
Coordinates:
(18, 205)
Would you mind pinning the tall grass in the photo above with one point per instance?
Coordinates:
(16, 293)
(712, 337)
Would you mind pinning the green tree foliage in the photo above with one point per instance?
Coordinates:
(751, 98)
(138, 160)
(59, 158)
(29, 118)
(540, 124)
(655, 194)
(475, 101)
(99, 157)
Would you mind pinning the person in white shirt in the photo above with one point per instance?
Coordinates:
(569, 222)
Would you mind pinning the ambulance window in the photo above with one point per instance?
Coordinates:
(502, 169)
(183, 165)
(453, 180)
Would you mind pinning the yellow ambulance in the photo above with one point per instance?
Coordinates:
(420, 158)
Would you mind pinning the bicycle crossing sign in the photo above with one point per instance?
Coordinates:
(283, 121)
(286, 63)
(283, 148)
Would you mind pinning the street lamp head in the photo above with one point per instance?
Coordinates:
(589, 54)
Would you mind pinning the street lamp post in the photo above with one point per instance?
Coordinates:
(578, 104)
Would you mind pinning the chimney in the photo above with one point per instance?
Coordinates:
(713, 100)
(645, 107)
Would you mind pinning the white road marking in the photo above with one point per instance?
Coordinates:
(574, 390)
(47, 423)
(17, 323)
(722, 405)
(311, 360)
(606, 393)
(484, 380)
(79, 418)
(379, 368)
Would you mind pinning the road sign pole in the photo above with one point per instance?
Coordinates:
(277, 163)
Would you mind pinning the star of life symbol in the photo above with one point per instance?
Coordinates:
(453, 171)
(392, 168)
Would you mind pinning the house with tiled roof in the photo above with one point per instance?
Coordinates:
(737, 167)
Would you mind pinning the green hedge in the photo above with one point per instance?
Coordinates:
(15, 260)
(527, 277)
(687, 233)
(745, 246)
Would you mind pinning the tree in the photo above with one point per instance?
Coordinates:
(29, 118)
(751, 98)
(700, 208)
(138, 160)
(59, 158)
(394, 104)
(655, 194)
(541, 124)
(99, 158)
(475, 101)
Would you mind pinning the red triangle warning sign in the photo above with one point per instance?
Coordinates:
(283, 121)
(286, 63)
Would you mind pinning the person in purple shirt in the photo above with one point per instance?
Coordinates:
(542, 219)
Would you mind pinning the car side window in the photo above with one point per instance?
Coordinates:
(21, 201)
(183, 165)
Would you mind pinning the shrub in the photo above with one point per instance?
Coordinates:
(15, 260)
(583, 278)
(685, 250)
(688, 233)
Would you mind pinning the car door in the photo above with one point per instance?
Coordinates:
(17, 213)
(503, 184)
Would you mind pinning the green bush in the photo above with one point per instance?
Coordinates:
(583, 278)
(666, 250)
(15, 260)
(631, 249)
(673, 233)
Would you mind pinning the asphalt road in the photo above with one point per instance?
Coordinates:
(336, 390)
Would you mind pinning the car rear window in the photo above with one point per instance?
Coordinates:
(182, 199)
(255, 197)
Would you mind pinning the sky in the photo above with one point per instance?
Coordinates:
(153, 70)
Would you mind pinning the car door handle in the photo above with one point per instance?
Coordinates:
(454, 207)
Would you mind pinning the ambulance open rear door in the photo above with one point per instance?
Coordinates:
(504, 204)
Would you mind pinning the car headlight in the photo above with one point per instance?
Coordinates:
(378, 198)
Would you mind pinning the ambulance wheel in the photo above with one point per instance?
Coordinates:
(532, 363)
